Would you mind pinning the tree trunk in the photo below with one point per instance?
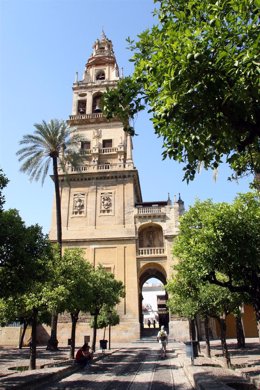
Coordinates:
(223, 327)
(192, 329)
(104, 334)
(25, 324)
(58, 202)
(109, 337)
(74, 320)
(53, 342)
(206, 324)
(32, 365)
(240, 332)
(257, 314)
(197, 333)
(95, 331)
(256, 304)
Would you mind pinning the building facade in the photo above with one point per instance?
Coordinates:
(101, 201)
(104, 213)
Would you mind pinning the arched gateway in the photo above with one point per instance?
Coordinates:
(156, 271)
(102, 207)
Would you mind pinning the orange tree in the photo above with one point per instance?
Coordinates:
(198, 70)
(220, 243)
(106, 291)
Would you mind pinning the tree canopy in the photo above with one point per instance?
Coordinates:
(74, 273)
(105, 288)
(190, 294)
(220, 243)
(49, 143)
(198, 69)
(3, 184)
(106, 291)
(22, 253)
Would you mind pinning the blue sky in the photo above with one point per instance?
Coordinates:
(43, 43)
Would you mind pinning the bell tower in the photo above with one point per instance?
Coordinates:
(106, 145)
(101, 202)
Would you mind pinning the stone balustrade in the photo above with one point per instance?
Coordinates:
(85, 152)
(86, 116)
(150, 210)
(108, 150)
(150, 251)
(93, 168)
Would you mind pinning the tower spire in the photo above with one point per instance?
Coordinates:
(103, 35)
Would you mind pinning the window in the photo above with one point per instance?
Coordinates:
(107, 143)
(85, 145)
(107, 269)
(96, 105)
(100, 75)
(82, 106)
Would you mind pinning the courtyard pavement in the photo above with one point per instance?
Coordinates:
(205, 373)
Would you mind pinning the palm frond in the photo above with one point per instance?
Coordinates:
(48, 140)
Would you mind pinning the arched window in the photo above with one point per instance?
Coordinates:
(82, 106)
(150, 237)
(96, 103)
(100, 75)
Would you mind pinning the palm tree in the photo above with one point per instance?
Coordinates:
(51, 143)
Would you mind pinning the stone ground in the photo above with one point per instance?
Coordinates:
(205, 373)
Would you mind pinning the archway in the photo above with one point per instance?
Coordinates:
(96, 103)
(153, 311)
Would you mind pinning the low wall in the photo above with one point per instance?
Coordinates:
(179, 330)
(10, 335)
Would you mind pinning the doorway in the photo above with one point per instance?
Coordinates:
(153, 301)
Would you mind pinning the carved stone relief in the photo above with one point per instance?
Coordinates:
(106, 203)
(79, 204)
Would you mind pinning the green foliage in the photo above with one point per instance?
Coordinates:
(24, 253)
(191, 295)
(107, 316)
(26, 274)
(123, 102)
(198, 69)
(50, 141)
(107, 292)
(72, 276)
(220, 243)
(3, 184)
(105, 288)
(19, 308)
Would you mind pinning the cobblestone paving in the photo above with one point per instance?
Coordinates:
(134, 366)
(129, 369)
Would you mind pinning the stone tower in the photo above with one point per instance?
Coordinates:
(102, 207)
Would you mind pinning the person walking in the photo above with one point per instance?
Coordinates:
(162, 338)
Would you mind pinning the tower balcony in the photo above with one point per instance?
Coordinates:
(81, 119)
(151, 212)
(150, 252)
(87, 152)
(95, 168)
(108, 150)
